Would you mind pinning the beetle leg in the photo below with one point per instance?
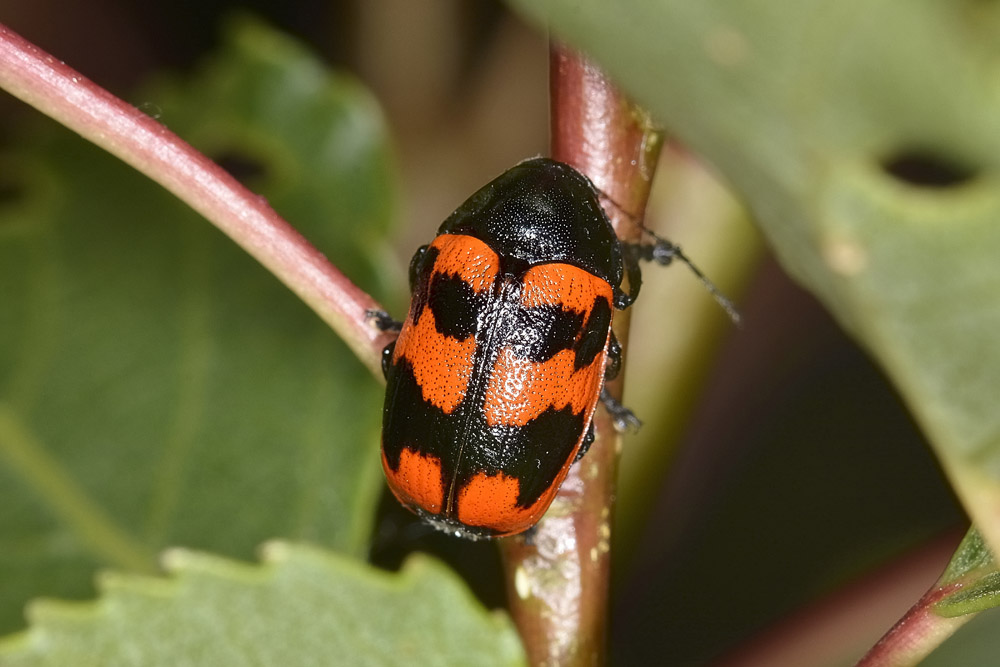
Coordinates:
(383, 321)
(416, 265)
(631, 254)
(588, 440)
(614, 362)
(661, 251)
(624, 418)
(387, 358)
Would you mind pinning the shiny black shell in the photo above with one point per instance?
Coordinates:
(492, 383)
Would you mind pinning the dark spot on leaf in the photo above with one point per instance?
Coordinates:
(927, 169)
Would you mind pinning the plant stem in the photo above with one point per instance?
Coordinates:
(558, 584)
(844, 624)
(919, 632)
(58, 91)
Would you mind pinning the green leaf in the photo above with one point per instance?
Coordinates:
(973, 577)
(972, 556)
(303, 606)
(864, 137)
(157, 386)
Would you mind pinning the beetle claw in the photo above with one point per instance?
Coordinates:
(588, 440)
(382, 321)
(624, 419)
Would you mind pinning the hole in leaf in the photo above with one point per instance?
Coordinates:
(926, 169)
(242, 167)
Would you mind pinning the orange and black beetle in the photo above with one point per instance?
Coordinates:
(500, 363)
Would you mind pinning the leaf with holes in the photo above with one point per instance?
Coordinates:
(869, 160)
(157, 386)
(301, 607)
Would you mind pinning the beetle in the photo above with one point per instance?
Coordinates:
(492, 383)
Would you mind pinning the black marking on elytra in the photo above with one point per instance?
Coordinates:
(542, 331)
(595, 334)
(464, 443)
(412, 422)
(539, 449)
(534, 453)
(421, 268)
(455, 305)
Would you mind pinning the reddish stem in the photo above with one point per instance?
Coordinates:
(839, 627)
(60, 92)
(558, 585)
(918, 633)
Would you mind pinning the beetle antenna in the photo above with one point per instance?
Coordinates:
(663, 252)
